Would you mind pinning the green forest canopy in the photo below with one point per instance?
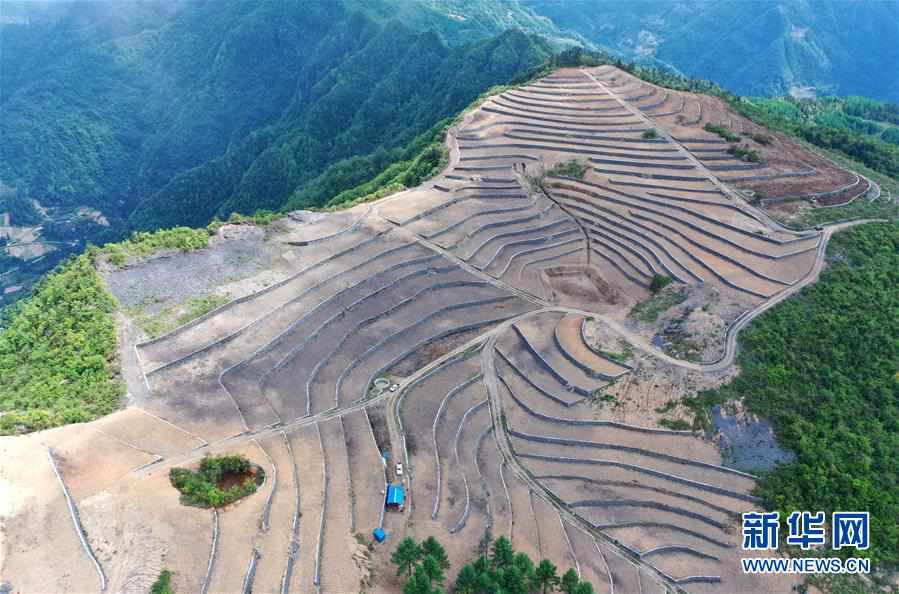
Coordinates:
(58, 352)
(824, 367)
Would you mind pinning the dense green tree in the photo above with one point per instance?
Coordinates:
(467, 581)
(419, 582)
(406, 555)
(433, 569)
(569, 582)
(502, 552)
(430, 547)
(584, 588)
(507, 572)
(547, 576)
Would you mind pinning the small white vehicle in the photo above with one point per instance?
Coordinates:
(394, 387)
(399, 469)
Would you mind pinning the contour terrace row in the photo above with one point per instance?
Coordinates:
(660, 493)
(319, 339)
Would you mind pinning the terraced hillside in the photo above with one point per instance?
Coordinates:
(473, 294)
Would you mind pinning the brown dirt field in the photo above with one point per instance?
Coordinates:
(139, 527)
(209, 412)
(568, 331)
(475, 528)
(721, 478)
(452, 493)
(553, 540)
(92, 461)
(33, 509)
(307, 453)
(490, 464)
(592, 567)
(368, 472)
(274, 544)
(780, 152)
(338, 573)
(149, 433)
(624, 574)
(525, 536)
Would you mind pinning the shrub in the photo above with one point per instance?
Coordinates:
(650, 134)
(163, 584)
(570, 168)
(744, 153)
(675, 424)
(650, 309)
(722, 131)
(202, 489)
(659, 282)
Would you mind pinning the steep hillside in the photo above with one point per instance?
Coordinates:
(750, 47)
(118, 118)
(118, 111)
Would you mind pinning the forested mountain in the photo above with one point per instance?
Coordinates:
(180, 112)
(751, 47)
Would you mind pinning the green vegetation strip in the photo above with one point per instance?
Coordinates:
(571, 168)
(156, 325)
(424, 566)
(824, 367)
(58, 351)
(144, 244)
(650, 309)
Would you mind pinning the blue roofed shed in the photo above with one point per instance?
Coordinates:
(396, 497)
(379, 534)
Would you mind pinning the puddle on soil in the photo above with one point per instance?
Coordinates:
(238, 478)
(747, 443)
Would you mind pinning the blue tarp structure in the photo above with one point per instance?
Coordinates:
(379, 534)
(396, 495)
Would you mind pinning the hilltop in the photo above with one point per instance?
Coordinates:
(526, 332)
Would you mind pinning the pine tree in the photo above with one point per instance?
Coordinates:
(432, 569)
(467, 580)
(570, 581)
(503, 554)
(406, 555)
(548, 576)
(430, 547)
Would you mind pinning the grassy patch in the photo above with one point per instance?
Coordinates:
(885, 207)
(744, 153)
(144, 244)
(650, 309)
(722, 131)
(209, 486)
(261, 218)
(163, 584)
(622, 356)
(58, 352)
(571, 168)
(155, 325)
(676, 424)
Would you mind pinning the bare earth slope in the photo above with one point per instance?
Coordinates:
(473, 293)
